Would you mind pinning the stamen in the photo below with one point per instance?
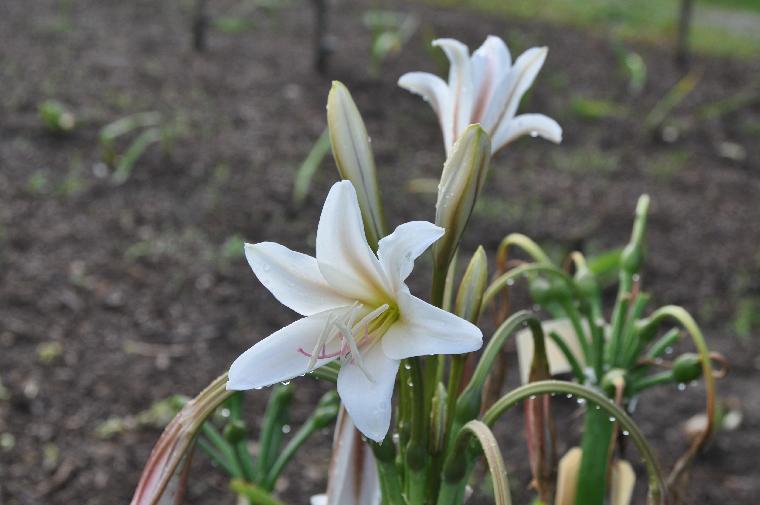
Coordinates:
(371, 316)
(352, 337)
(321, 341)
(356, 357)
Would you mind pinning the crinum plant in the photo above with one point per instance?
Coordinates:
(415, 382)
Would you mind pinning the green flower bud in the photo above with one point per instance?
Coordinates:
(353, 156)
(56, 117)
(687, 367)
(631, 258)
(585, 282)
(461, 181)
(560, 290)
(541, 291)
(235, 431)
(327, 410)
(472, 287)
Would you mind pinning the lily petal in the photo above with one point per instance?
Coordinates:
(512, 87)
(278, 357)
(460, 82)
(425, 329)
(526, 124)
(398, 250)
(352, 477)
(368, 398)
(342, 245)
(436, 92)
(489, 62)
(293, 278)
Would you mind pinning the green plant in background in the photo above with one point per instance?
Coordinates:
(309, 167)
(56, 117)
(390, 32)
(623, 357)
(146, 129)
(633, 67)
(415, 396)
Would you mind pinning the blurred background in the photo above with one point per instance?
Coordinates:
(142, 142)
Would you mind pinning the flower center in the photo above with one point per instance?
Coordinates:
(353, 337)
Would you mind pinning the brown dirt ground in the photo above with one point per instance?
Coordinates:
(102, 271)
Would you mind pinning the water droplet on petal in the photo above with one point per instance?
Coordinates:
(534, 134)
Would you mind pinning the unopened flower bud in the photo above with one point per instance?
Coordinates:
(353, 156)
(541, 291)
(461, 181)
(235, 431)
(474, 281)
(586, 283)
(327, 409)
(687, 367)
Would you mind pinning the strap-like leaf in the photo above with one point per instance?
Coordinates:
(506, 402)
(492, 452)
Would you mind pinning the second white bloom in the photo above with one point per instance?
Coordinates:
(357, 309)
(484, 88)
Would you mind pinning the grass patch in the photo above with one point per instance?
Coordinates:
(647, 20)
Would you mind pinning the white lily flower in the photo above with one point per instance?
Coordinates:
(357, 309)
(484, 88)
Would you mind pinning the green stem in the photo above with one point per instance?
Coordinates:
(214, 454)
(224, 448)
(649, 381)
(417, 447)
(569, 356)
(630, 337)
(455, 381)
(595, 447)
(326, 373)
(666, 341)
(504, 280)
(572, 313)
(390, 481)
(596, 323)
(271, 429)
(301, 436)
(254, 494)
(619, 314)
